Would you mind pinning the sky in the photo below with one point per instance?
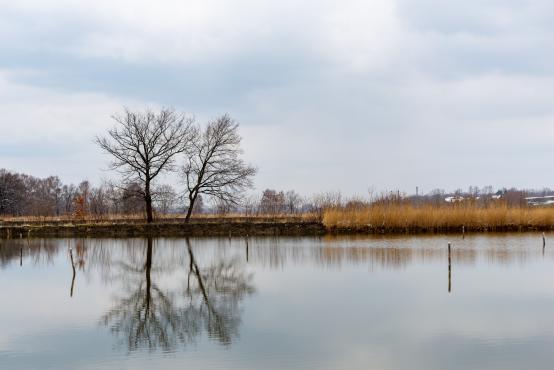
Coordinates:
(343, 95)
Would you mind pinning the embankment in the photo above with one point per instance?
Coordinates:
(163, 229)
(376, 219)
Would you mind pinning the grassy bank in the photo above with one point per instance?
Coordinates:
(439, 218)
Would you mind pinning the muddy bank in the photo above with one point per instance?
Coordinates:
(49, 221)
(164, 229)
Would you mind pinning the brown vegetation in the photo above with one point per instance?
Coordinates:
(387, 217)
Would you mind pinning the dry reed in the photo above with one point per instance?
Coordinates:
(492, 217)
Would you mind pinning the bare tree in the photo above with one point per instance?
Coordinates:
(272, 202)
(165, 198)
(214, 167)
(198, 206)
(144, 144)
(12, 193)
(293, 201)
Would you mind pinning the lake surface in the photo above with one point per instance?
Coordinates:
(274, 303)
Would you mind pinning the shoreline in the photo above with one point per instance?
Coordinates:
(230, 228)
(168, 229)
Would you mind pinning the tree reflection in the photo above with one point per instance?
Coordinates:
(147, 316)
(214, 294)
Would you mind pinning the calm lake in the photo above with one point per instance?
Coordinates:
(302, 303)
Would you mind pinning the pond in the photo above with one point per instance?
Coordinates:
(390, 302)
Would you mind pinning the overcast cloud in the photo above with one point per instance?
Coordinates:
(331, 95)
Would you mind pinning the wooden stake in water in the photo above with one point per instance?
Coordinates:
(543, 243)
(449, 269)
(463, 232)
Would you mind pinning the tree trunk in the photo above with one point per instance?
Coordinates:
(148, 201)
(192, 199)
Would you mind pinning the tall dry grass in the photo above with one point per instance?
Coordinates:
(440, 217)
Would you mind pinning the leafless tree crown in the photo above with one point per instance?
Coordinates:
(213, 166)
(145, 144)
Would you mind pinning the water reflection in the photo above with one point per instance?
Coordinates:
(153, 298)
(387, 253)
(39, 251)
(148, 316)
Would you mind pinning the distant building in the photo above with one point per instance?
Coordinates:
(454, 199)
(540, 201)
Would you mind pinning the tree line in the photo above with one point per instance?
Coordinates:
(26, 195)
(145, 146)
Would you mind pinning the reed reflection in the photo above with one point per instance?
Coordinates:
(124, 255)
(39, 251)
(334, 255)
(333, 252)
(151, 317)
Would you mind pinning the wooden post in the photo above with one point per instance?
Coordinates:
(449, 268)
(73, 267)
(463, 232)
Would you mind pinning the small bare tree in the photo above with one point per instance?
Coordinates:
(165, 198)
(214, 167)
(293, 202)
(144, 144)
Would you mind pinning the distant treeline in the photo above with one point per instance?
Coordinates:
(26, 195)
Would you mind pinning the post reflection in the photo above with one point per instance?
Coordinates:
(246, 249)
(73, 268)
(449, 269)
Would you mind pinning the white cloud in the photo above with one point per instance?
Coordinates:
(46, 132)
(331, 95)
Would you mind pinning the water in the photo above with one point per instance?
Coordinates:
(300, 303)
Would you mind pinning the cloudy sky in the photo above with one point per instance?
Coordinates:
(331, 95)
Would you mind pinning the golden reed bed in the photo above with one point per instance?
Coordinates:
(441, 217)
